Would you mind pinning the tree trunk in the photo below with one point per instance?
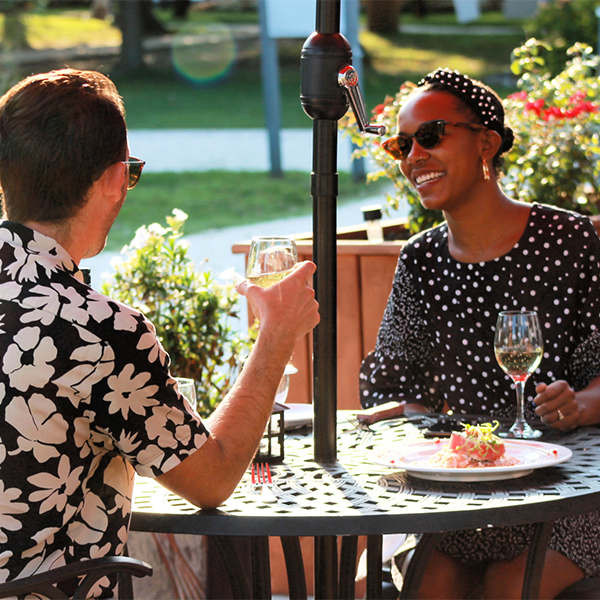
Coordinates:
(383, 16)
(15, 33)
(130, 22)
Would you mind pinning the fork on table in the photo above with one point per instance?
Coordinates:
(261, 476)
(365, 433)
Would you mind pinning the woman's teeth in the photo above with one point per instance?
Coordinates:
(427, 177)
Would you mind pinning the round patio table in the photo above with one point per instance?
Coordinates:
(355, 496)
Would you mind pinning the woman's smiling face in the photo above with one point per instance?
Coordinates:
(444, 176)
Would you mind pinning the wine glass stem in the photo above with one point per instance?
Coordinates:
(520, 387)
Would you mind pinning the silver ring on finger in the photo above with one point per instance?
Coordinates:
(560, 415)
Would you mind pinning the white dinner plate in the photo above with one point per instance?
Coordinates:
(414, 459)
(297, 415)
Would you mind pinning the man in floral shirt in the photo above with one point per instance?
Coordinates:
(86, 396)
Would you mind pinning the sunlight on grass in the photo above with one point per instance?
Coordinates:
(217, 199)
(75, 28)
(487, 17)
(389, 59)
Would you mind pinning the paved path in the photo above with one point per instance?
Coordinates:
(231, 149)
(480, 30)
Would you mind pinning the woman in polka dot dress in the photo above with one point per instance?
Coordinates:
(435, 345)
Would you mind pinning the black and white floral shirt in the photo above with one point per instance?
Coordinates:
(86, 399)
(435, 344)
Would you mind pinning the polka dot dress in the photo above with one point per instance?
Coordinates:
(436, 342)
(435, 345)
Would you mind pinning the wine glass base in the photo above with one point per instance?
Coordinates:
(521, 433)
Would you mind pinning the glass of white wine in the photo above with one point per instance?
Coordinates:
(187, 387)
(270, 259)
(519, 346)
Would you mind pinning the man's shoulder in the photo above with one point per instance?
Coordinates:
(120, 316)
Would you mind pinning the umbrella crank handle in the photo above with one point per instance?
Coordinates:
(348, 79)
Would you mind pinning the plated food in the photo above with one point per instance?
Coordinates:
(430, 459)
(474, 447)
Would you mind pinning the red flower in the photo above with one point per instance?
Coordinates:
(578, 96)
(555, 112)
(589, 107)
(535, 106)
(522, 95)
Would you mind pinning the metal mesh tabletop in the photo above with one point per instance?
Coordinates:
(355, 496)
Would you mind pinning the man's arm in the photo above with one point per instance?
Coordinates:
(286, 311)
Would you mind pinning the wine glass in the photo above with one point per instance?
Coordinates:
(518, 346)
(284, 384)
(187, 388)
(270, 259)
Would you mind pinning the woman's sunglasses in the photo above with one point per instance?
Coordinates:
(429, 135)
(135, 166)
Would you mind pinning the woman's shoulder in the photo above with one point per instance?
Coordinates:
(559, 228)
(427, 241)
(554, 216)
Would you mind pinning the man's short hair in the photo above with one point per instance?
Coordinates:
(59, 131)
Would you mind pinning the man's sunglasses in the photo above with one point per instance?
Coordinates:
(135, 166)
(429, 135)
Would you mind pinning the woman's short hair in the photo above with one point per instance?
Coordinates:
(59, 131)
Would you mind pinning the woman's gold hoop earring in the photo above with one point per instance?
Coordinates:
(486, 170)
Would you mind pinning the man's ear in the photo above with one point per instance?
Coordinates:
(113, 181)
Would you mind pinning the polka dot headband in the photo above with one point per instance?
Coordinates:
(480, 99)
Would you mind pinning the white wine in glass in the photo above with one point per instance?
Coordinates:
(270, 259)
(519, 347)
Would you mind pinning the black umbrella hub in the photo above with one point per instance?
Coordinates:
(323, 56)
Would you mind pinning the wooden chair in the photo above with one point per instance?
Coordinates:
(91, 570)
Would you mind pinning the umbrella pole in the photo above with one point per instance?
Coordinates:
(324, 53)
(324, 184)
(329, 86)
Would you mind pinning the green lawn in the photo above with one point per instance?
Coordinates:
(216, 199)
(66, 29)
(160, 98)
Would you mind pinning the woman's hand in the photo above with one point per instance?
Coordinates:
(556, 405)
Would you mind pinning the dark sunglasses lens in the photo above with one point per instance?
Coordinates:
(135, 172)
(429, 135)
(404, 144)
(398, 147)
(134, 175)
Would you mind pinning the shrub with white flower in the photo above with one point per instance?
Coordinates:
(191, 311)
